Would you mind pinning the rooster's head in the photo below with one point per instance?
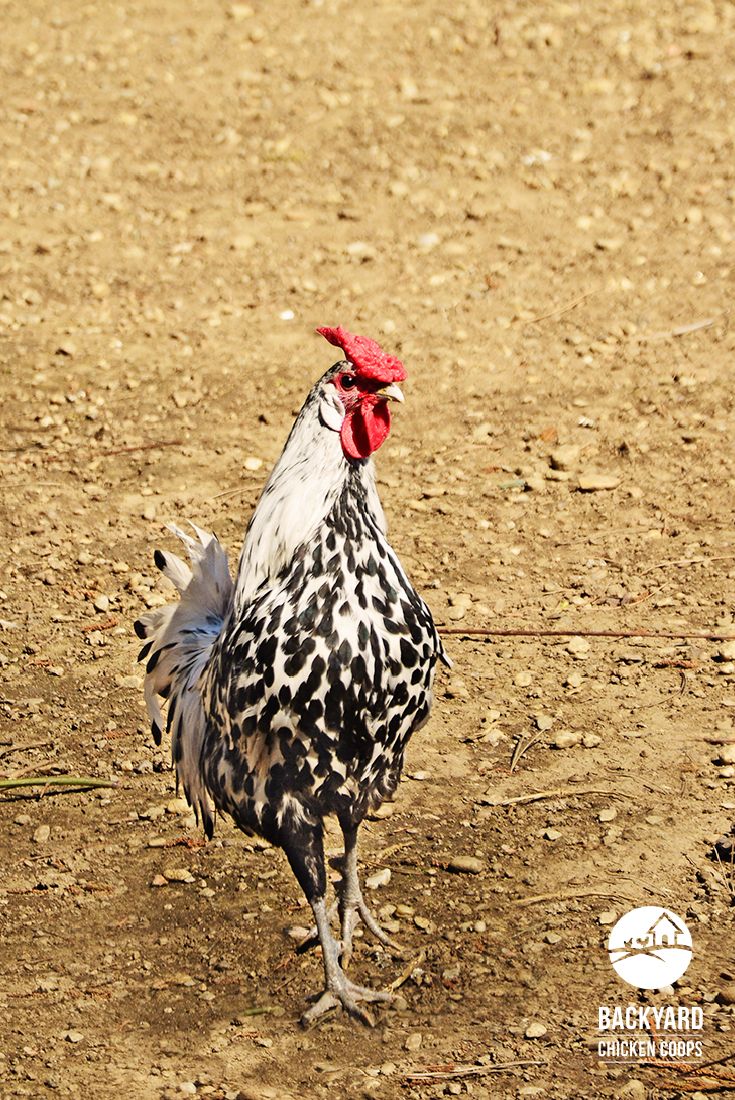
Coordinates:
(358, 390)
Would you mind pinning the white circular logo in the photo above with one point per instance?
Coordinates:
(650, 947)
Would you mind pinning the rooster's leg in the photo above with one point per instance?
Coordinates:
(305, 852)
(351, 902)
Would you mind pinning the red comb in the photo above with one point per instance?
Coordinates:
(368, 357)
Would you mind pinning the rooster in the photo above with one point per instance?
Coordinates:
(292, 692)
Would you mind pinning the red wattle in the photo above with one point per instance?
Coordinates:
(365, 428)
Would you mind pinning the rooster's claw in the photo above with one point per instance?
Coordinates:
(346, 994)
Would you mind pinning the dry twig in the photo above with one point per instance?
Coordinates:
(685, 561)
(470, 1071)
(56, 781)
(571, 895)
(560, 792)
(564, 309)
(154, 446)
(13, 747)
(522, 746)
(486, 632)
(407, 972)
(107, 624)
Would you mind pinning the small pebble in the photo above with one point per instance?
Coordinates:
(297, 932)
(361, 250)
(72, 1036)
(632, 1090)
(578, 647)
(596, 483)
(177, 874)
(607, 815)
(177, 806)
(379, 878)
(535, 1030)
(42, 833)
(456, 613)
(382, 812)
(241, 242)
(726, 995)
(535, 484)
(566, 739)
(466, 865)
(414, 1040)
(428, 240)
(564, 457)
(552, 834)
(608, 917)
(101, 603)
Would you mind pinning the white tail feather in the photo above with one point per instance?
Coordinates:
(179, 643)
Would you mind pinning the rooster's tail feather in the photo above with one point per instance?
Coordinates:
(179, 640)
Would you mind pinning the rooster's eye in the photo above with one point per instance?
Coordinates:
(348, 381)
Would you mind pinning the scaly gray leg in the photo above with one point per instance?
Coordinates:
(339, 990)
(351, 902)
(303, 845)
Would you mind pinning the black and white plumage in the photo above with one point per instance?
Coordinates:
(292, 694)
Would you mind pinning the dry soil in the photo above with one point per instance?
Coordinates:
(532, 204)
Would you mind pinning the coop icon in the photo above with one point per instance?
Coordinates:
(650, 947)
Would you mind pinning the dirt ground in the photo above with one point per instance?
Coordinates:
(533, 206)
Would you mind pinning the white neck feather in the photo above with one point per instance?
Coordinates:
(301, 491)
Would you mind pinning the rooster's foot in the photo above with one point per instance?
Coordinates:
(346, 994)
(339, 990)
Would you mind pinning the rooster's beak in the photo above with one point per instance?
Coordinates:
(390, 392)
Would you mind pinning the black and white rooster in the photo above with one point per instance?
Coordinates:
(292, 693)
